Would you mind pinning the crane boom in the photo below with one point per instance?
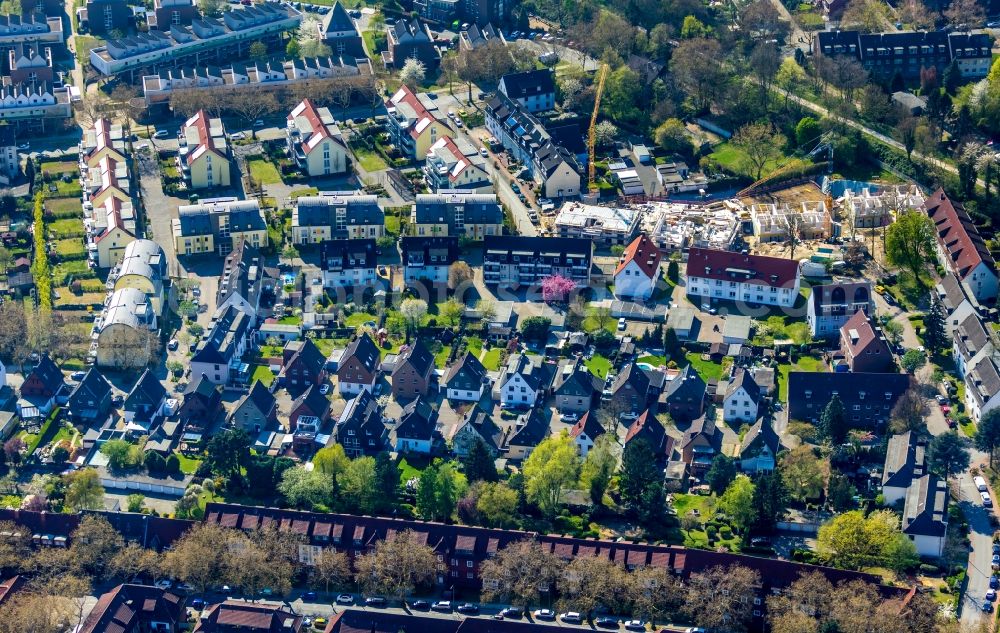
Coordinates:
(602, 75)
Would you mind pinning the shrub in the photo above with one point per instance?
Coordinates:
(726, 532)
(711, 531)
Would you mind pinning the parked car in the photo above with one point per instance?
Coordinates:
(443, 606)
(375, 601)
(78, 375)
(173, 344)
(544, 614)
(635, 625)
(512, 612)
(324, 389)
(996, 548)
(569, 417)
(941, 399)
(24, 147)
(161, 134)
(571, 617)
(987, 607)
(198, 604)
(238, 136)
(996, 561)
(345, 598)
(422, 605)
(606, 622)
(319, 623)
(994, 582)
(991, 595)
(468, 608)
(622, 323)
(309, 596)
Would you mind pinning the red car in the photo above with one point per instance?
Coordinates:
(945, 409)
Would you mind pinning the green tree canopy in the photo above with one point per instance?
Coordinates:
(551, 467)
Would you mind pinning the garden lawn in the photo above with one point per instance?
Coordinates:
(83, 45)
(392, 223)
(72, 248)
(705, 368)
(189, 465)
(325, 346)
(59, 167)
(392, 349)
(804, 363)
(411, 466)
(598, 365)
(263, 171)
(368, 159)
(655, 361)
(441, 358)
(358, 319)
(304, 191)
(474, 344)
(262, 373)
(592, 324)
(491, 359)
(69, 227)
(734, 160)
(64, 207)
(290, 320)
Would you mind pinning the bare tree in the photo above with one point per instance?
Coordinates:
(252, 105)
(398, 565)
(520, 574)
(332, 569)
(965, 14)
(718, 598)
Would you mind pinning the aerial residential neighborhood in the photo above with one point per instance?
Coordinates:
(489, 316)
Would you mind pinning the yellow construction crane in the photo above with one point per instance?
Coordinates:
(602, 75)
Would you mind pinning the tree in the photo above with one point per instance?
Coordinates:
(655, 593)
(840, 492)
(934, 335)
(331, 460)
(721, 473)
(479, 464)
(909, 242)
(867, 16)
(717, 598)
(909, 413)
(600, 315)
(497, 505)
(487, 310)
(292, 49)
(258, 51)
(589, 583)
(605, 133)
(987, 437)
(965, 14)
(789, 77)
(557, 288)
(13, 333)
(35, 612)
(520, 574)
(672, 137)
(697, 67)
(770, 498)
(893, 330)
(306, 489)
(552, 466)
(638, 472)
(598, 467)
(194, 558)
(693, 27)
(399, 564)
(451, 311)
(254, 104)
(310, 39)
(386, 480)
(227, 453)
(833, 421)
(122, 455)
(760, 144)
(913, 360)
(805, 473)
(413, 72)
(536, 328)
(332, 568)
(737, 502)
(807, 131)
(135, 502)
(358, 485)
(459, 274)
(947, 454)
(95, 543)
(438, 492)
(15, 550)
(212, 8)
(84, 490)
(414, 311)
(13, 448)
(134, 561)
(765, 61)
(852, 540)
(802, 605)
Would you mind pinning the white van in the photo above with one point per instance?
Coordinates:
(980, 484)
(987, 502)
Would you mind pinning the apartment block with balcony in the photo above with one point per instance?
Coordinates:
(427, 259)
(457, 213)
(456, 164)
(30, 63)
(314, 141)
(348, 263)
(415, 124)
(513, 260)
(203, 152)
(832, 305)
(216, 226)
(336, 215)
(908, 52)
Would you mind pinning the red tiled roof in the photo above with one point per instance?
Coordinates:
(644, 253)
(862, 326)
(319, 130)
(957, 234)
(708, 263)
(205, 143)
(9, 587)
(422, 115)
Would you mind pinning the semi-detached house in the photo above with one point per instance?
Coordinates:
(314, 140)
(716, 275)
(217, 226)
(961, 248)
(203, 153)
(348, 263)
(457, 213)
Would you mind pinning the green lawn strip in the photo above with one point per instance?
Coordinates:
(441, 358)
(598, 365)
(491, 359)
(392, 349)
(60, 167)
(358, 319)
(325, 345)
(655, 361)
(64, 207)
(263, 172)
(705, 368)
(474, 344)
(804, 363)
(45, 433)
(262, 373)
(67, 227)
(410, 467)
(189, 465)
(290, 320)
(368, 159)
(304, 191)
(71, 248)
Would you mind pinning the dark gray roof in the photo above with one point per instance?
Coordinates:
(322, 211)
(574, 379)
(759, 435)
(817, 388)
(338, 20)
(94, 387)
(146, 392)
(500, 248)
(429, 249)
(532, 369)
(316, 402)
(365, 350)
(686, 386)
(259, 397)
(925, 509)
(441, 208)
(467, 374)
(348, 254)
(220, 345)
(904, 460)
(416, 356)
(742, 378)
(528, 83)
(842, 292)
(632, 374)
(418, 421)
(531, 428)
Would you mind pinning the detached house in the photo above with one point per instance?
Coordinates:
(533, 90)
(348, 263)
(743, 397)
(310, 410)
(864, 346)
(575, 387)
(476, 426)
(426, 260)
(303, 364)
(523, 380)
(219, 356)
(340, 33)
(410, 39)
(90, 401)
(314, 140)
(256, 411)
(136, 609)
(905, 461)
(759, 448)
(925, 515)
(647, 428)
(585, 433)
(699, 445)
(416, 430)
(961, 248)
(528, 431)
(982, 386)
(684, 396)
(204, 152)
(638, 270)
(41, 386)
(630, 392)
(359, 366)
(202, 402)
(234, 616)
(466, 379)
(411, 377)
(456, 213)
(144, 403)
(361, 429)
